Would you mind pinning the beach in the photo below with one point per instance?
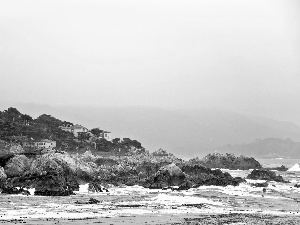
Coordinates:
(243, 204)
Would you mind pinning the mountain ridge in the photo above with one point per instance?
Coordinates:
(187, 133)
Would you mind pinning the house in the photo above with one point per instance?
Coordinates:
(106, 135)
(44, 143)
(75, 129)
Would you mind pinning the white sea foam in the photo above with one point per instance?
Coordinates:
(83, 189)
(295, 167)
(31, 191)
(168, 199)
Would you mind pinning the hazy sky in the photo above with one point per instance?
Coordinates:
(237, 55)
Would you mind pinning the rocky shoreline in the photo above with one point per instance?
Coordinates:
(60, 174)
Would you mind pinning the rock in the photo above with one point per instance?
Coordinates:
(52, 185)
(169, 175)
(96, 187)
(44, 164)
(160, 152)
(14, 190)
(281, 168)
(227, 161)
(297, 185)
(50, 176)
(17, 166)
(185, 186)
(263, 174)
(200, 175)
(265, 184)
(3, 176)
(90, 201)
(163, 156)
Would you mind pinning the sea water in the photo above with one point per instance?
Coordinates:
(278, 198)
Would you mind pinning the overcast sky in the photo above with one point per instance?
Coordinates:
(236, 55)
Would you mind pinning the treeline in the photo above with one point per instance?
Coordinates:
(19, 128)
(15, 126)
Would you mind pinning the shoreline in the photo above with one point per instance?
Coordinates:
(170, 219)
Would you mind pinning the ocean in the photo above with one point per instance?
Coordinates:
(138, 205)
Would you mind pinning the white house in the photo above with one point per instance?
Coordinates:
(74, 129)
(44, 143)
(106, 135)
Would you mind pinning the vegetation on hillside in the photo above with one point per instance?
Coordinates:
(19, 128)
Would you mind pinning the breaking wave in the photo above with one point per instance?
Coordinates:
(295, 167)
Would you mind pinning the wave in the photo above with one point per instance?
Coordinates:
(295, 167)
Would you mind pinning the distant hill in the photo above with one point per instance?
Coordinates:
(16, 127)
(186, 133)
(266, 148)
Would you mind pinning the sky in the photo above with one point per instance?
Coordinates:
(238, 55)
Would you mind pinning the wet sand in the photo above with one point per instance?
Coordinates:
(182, 219)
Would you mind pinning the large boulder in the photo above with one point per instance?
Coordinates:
(52, 185)
(279, 168)
(45, 164)
(169, 175)
(17, 166)
(200, 175)
(227, 161)
(49, 176)
(263, 174)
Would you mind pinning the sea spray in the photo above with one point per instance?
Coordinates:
(83, 188)
(295, 167)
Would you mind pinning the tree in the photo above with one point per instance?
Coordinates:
(96, 131)
(26, 118)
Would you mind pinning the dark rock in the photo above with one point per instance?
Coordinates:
(49, 177)
(52, 185)
(280, 168)
(185, 186)
(6, 187)
(95, 186)
(93, 201)
(263, 174)
(201, 175)
(265, 184)
(169, 175)
(90, 201)
(227, 161)
(297, 185)
(53, 177)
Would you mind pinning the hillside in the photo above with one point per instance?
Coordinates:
(22, 129)
(187, 133)
(266, 148)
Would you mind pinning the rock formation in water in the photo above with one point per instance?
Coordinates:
(227, 161)
(263, 174)
(169, 175)
(200, 175)
(190, 176)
